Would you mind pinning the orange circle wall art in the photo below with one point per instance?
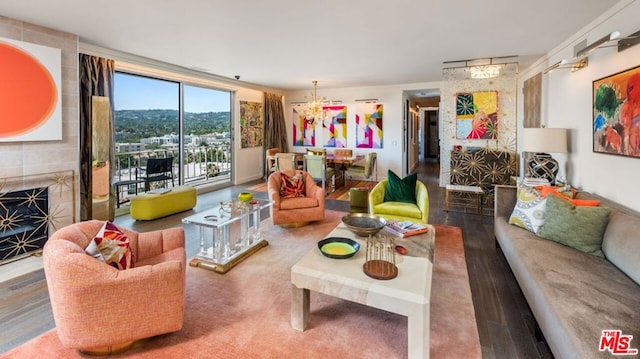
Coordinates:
(28, 93)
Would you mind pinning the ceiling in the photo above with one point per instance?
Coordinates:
(288, 43)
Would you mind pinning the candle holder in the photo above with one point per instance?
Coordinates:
(380, 260)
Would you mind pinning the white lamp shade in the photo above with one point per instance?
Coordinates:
(546, 140)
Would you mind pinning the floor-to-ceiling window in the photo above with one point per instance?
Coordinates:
(158, 118)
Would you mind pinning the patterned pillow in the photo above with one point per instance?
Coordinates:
(529, 211)
(111, 246)
(291, 187)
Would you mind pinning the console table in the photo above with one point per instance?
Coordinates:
(229, 233)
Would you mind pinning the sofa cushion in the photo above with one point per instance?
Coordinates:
(529, 211)
(621, 244)
(400, 190)
(292, 186)
(111, 246)
(579, 227)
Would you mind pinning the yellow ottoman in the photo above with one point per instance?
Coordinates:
(155, 205)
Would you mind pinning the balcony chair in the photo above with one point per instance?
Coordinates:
(364, 171)
(316, 166)
(158, 169)
(400, 211)
(295, 211)
(98, 308)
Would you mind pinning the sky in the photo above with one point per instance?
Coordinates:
(133, 92)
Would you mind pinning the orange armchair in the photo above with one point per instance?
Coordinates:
(297, 211)
(98, 308)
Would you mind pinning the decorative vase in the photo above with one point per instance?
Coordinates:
(245, 196)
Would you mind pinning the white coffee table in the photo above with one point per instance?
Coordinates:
(408, 294)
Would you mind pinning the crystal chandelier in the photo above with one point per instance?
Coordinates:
(313, 110)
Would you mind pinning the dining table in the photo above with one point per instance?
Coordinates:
(340, 163)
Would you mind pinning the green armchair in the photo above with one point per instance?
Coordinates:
(400, 211)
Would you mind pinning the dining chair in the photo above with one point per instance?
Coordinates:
(343, 152)
(317, 151)
(316, 166)
(365, 171)
(286, 161)
(271, 160)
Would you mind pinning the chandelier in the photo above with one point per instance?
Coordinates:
(313, 111)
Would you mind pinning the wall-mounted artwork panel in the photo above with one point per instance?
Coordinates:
(369, 125)
(304, 133)
(30, 92)
(251, 120)
(477, 115)
(334, 127)
(616, 113)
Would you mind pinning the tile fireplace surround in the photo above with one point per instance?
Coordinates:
(29, 203)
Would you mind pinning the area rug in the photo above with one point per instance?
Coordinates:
(341, 193)
(246, 312)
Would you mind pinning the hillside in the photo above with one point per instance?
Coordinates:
(132, 125)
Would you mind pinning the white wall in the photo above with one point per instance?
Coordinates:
(567, 103)
(391, 97)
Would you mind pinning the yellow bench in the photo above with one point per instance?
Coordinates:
(155, 205)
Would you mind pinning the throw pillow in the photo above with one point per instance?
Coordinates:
(529, 211)
(579, 227)
(546, 190)
(400, 190)
(111, 246)
(291, 187)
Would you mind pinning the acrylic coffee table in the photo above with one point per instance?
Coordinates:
(408, 294)
(228, 234)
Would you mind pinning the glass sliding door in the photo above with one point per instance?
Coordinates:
(146, 126)
(206, 135)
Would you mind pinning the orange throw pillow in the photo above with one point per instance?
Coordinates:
(546, 190)
(112, 246)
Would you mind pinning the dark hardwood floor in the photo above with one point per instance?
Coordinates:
(505, 323)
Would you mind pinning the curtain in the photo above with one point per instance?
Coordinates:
(275, 131)
(96, 79)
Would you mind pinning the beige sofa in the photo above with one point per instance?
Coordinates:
(574, 296)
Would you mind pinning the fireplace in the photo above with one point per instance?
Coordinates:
(23, 222)
(31, 208)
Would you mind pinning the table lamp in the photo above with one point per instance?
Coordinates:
(543, 141)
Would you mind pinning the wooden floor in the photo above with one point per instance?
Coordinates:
(505, 323)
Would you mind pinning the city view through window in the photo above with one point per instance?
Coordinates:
(147, 125)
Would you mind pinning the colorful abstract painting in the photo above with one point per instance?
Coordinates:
(616, 113)
(251, 121)
(334, 127)
(369, 125)
(477, 115)
(30, 84)
(304, 133)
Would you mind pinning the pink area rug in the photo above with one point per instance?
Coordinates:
(246, 312)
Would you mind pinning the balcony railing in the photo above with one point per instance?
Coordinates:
(202, 164)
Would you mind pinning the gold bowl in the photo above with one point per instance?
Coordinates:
(364, 224)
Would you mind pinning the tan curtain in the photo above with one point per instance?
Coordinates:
(96, 79)
(275, 131)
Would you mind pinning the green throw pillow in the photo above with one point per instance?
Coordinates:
(400, 190)
(579, 227)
